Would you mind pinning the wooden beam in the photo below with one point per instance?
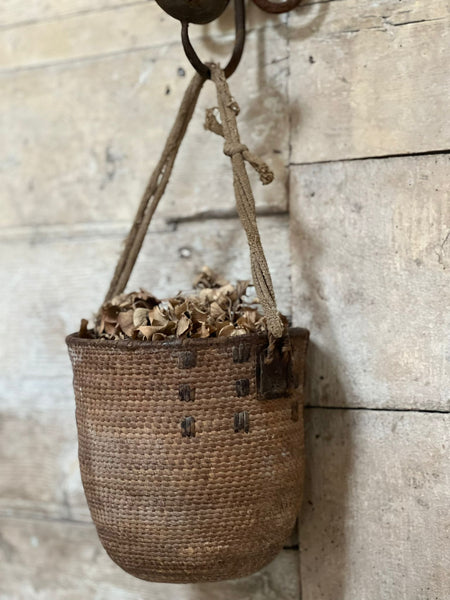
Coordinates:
(369, 79)
(81, 140)
(370, 245)
(15, 13)
(375, 521)
(112, 30)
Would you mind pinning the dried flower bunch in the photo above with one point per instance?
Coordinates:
(215, 308)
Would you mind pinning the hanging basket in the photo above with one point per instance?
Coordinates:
(191, 450)
(191, 453)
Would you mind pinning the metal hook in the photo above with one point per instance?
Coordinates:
(277, 7)
(205, 11)
(199, 66)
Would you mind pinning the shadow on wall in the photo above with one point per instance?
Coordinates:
(324, 558)
(325, 562)
(312, 17)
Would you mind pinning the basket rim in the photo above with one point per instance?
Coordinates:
(73, 339)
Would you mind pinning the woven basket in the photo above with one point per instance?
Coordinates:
(191, 452)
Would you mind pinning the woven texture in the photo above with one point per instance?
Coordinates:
(189, 474)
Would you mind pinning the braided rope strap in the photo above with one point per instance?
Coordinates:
(245, 201)
(155, 189)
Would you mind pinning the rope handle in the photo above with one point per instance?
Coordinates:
(245, 202)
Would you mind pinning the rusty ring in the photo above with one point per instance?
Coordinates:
(199, 66)
(277, 7)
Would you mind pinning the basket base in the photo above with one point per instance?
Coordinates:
(211, 573)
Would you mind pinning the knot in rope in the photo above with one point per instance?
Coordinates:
(245, 201)
(232, 148)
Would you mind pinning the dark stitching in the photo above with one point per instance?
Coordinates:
(186, 393)
(241, 353)
(241, 422)
(188, 427)
(187, 360)
(242, 387)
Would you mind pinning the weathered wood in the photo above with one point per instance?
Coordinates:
(369, 78)
(80, 141)
(53, 283)
(64, 561)
(39, 471)
(123, 29)
(86, 35)
(375, 521)
(370, 261)
(15, 12)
